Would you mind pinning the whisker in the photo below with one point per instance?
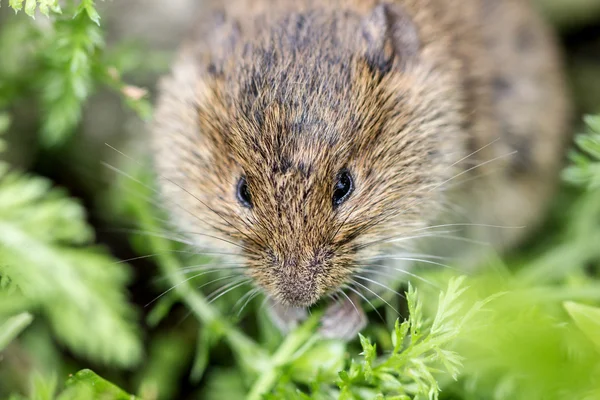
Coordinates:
(376, 295)
(388, 256)
(264, 302)
(244, 282)
(180, 187)
(175, 287)
(253, 293)
(351, 302)
(475, 152)
(222, 278)
(172, 238)
(400, 238)
(470, 224)
(472, 168)
(404, 272)
(161, 253)
(379, 284)
(364, 298)
(466, 240)
(474, 177)
(426, 261)
(414, 203)
(220, 267)
(204, 270)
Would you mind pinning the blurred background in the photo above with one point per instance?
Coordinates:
(79, 280)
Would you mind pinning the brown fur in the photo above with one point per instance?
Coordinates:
(288, 93)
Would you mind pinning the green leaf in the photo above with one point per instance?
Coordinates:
(87, 7)
(369, 353)
(587, 319)
(12, 327)
(206, 340)
(85, 384)
(593, 121)
(585, 163)
(399, 334)
(323, 361)
(80, 289)
(30, 6)
(67, 80)
(43, 388)
(17, 5)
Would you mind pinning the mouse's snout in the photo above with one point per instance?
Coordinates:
(299, 279)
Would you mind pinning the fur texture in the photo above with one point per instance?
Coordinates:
(401, 94)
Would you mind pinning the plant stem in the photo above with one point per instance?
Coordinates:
(252, 356)
(284, 353)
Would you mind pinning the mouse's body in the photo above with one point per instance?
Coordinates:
(307, 138)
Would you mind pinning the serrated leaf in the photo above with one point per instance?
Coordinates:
(17, 5)
(80, 289)
(67, 79)
(30, 6)
(92, 13)
(399, 334)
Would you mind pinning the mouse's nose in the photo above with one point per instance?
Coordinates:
(298, 293)
(298, 281)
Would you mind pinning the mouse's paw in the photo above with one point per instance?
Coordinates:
(343, 320)
(285, 318)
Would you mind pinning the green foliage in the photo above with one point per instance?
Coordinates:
(67, 80)
(585, 170)
(420, 352)
(12, 327)
(587, 319)
(525, 328)
(45, 6)
(49, 268)
(85, 384)
(524, 346)
(60, 66)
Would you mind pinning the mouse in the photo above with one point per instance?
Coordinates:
(313, 142)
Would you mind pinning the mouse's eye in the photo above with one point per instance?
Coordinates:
(243, 193)
(343, 188)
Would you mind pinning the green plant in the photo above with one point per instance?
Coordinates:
(60, 66)
(525, 327)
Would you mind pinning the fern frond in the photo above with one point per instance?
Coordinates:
(68, 76)
(81, 291)
(30, 6)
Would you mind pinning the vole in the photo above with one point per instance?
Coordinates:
(308, 139)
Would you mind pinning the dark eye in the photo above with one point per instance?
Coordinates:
(243, 194)
(343, 188)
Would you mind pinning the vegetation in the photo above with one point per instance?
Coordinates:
(152, 319)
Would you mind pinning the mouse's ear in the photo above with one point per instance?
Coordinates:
(391, 37)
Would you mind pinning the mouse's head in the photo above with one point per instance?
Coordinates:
(305, 145)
